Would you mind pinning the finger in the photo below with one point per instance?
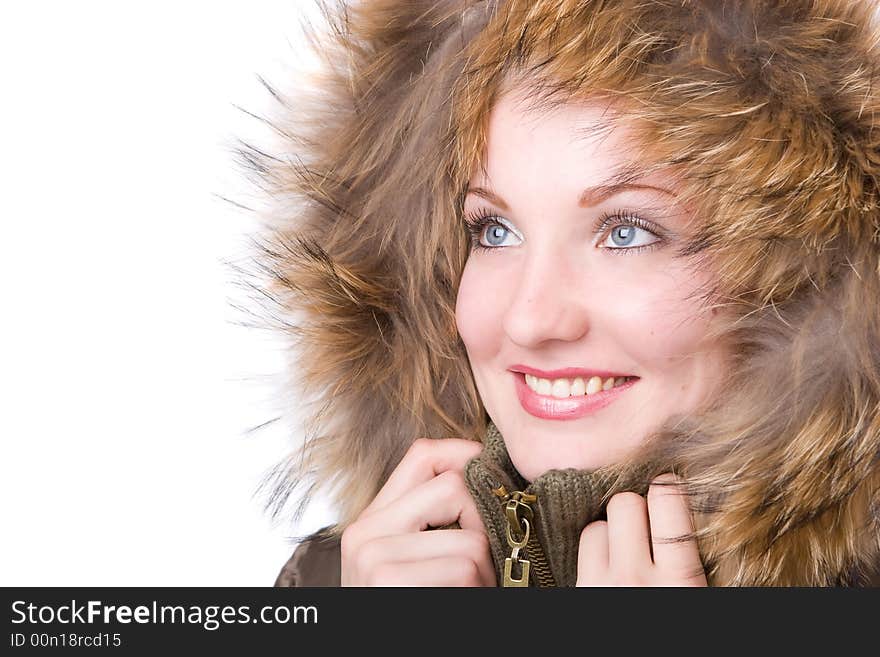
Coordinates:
(421, 546)
(434, 503)
(629, 533)
(425, 459)
(593, 554)
(671, 518)
(440, 571)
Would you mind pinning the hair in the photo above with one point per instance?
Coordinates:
(765, 113)
(755, 103)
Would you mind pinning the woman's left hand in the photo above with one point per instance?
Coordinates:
(617, 552)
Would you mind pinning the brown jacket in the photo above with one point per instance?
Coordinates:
(566, 501)
(315, 562)
(769, 110)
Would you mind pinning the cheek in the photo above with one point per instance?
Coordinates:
(478, 311)
(655, 321)
(660, 317)
(666, 330)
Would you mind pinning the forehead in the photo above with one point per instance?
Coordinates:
(589, 138)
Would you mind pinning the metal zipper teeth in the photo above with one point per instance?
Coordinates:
(540, 572)
(539, 565)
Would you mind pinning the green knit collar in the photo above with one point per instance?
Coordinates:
(567, 501)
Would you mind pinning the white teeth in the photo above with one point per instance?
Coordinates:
(544, 386)
(594, 385)
(541, 386)
(577, 387)
(560, 388)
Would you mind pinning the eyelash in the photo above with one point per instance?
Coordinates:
(476, 221)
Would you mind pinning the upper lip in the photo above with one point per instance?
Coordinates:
(566, 372)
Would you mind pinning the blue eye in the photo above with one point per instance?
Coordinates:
(622, 237)
(485, 223)
(625, 228)
(625, 235)
(495, 234)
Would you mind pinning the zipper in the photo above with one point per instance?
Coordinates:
(521, 535)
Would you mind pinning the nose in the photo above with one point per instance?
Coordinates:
(548, 303)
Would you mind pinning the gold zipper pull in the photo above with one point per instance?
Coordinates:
(513, 559)
(519, 514)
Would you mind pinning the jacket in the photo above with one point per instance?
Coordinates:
(770, 111)
(565, 501)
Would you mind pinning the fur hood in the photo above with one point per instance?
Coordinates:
(770, 113)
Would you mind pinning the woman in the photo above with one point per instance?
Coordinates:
(453, 269)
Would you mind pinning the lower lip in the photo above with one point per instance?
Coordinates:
(547, 407)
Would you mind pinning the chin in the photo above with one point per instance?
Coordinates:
(557, 453)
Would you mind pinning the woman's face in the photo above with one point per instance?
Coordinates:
(555, 289)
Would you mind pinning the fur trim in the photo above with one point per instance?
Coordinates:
(360, 264)
(768, 114)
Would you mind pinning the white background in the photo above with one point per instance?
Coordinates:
(127, 388)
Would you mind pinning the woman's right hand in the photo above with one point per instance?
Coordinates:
(387, 544)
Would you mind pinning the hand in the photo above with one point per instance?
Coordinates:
(617, 552)
(387, 545)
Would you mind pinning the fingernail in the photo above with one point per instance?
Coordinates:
(666, 478)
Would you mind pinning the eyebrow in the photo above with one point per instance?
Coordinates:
(589, 197)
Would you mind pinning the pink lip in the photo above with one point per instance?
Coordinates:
(566, 372)
(570, 408)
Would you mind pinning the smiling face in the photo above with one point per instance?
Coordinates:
(571, 271)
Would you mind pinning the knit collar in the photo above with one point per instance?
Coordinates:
(567, 501)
